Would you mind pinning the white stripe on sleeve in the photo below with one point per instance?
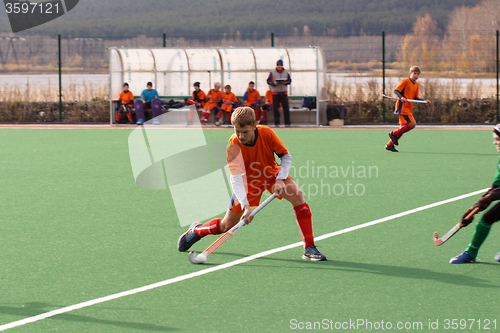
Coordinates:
(286, 163)
(239, 189)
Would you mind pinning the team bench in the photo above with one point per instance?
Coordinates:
(300, 115)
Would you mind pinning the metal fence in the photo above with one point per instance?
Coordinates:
(447, 55)
(469, 52)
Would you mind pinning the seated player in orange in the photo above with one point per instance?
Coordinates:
(125, 104)
(253, 169)
(253, 99)
(268, 106)
(406, 89)
(213, 101)
(198, 100)
(229, 101)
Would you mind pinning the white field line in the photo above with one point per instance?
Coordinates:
(226, 265)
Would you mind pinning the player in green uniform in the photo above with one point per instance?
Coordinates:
(490, 217)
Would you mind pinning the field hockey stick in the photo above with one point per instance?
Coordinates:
(408, 100)
(202, 257)
(460, 225)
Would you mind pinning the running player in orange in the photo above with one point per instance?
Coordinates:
(229, 100)
(406, 89)
(253, 169)
(125, 104)
(213, 101)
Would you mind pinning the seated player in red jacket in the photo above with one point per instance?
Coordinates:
(125, 104)
(198, 100)
(251, 159)
(229, 100)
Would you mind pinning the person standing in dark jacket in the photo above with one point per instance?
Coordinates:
(279, 79)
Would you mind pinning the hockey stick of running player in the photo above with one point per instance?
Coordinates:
(202, 257)
(408, 100)
(460, 225)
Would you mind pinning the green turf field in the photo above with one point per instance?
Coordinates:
(74, 227)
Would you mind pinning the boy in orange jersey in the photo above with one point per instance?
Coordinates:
(268, 106)
(229, 101)
(125, 104)
(252, 99)
(406, 89)
(213, 101)
(253, 169)
(199, 102)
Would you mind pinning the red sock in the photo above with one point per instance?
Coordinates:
(229, 116)
(303, 214)
(265, 115)
(402, 130)
(206, 114)
(209, 228)
(129, 116)
(219, 115)
(390, 143)
(257, 115)
(118, 116)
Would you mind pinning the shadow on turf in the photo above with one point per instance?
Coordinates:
(35, 308)
(388, 270)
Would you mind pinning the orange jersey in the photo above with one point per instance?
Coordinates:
(410, 91)
(269, 97)
(214, 96)
(257, 162)
(201, 97)
(126, 97)
(252, 97)
(229, 98)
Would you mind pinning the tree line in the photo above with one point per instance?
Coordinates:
(250, 18)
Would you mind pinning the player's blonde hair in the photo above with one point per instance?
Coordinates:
(243, 116)
(415, 69)
(217, 84)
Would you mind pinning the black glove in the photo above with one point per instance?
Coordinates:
(464, 220)
(483, 203)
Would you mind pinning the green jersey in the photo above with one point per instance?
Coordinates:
(497, 176)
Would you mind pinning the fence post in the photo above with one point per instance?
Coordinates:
(272, 39)
(498, 84)
(60, 78)
(383, 75)
(164, 40)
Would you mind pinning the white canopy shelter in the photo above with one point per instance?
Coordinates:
(173, 71)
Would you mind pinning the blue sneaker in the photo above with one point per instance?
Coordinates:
(313, 254)
(156, 121)
(276, 125)
(188, 238)
(497, 257)
(140, 121)
(463, 258)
